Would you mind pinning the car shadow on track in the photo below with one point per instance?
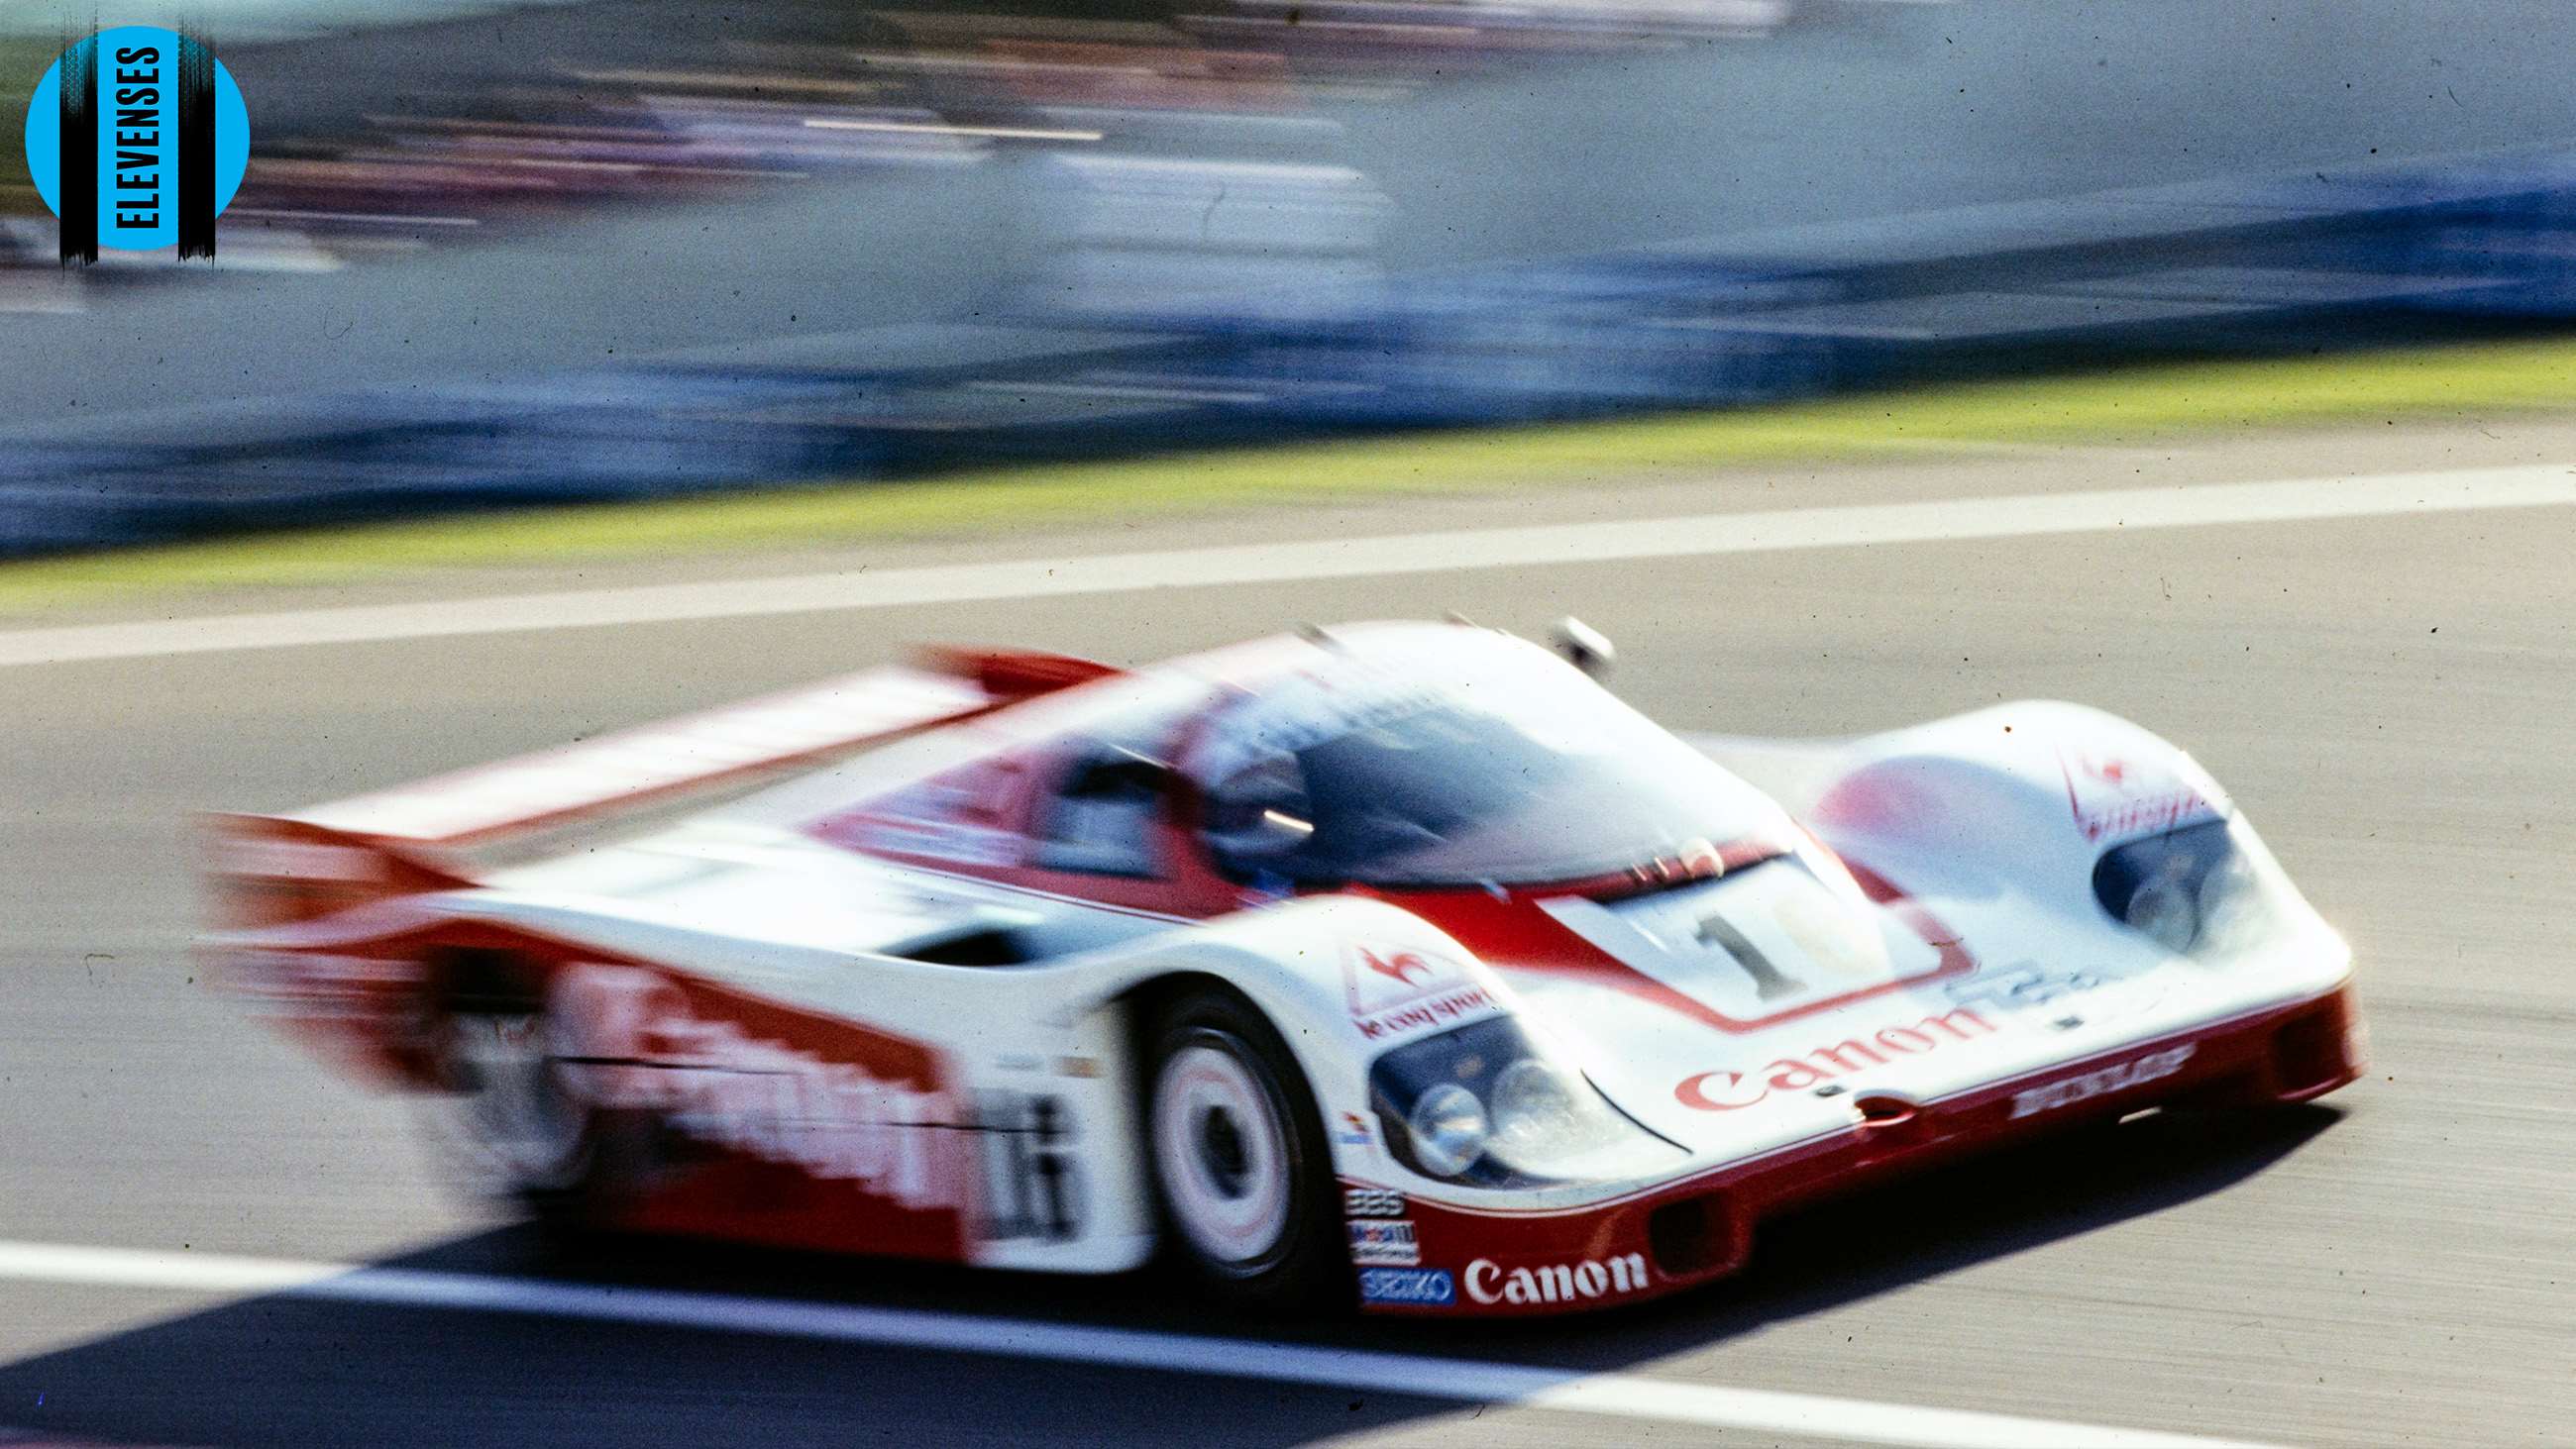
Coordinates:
(299, 1370)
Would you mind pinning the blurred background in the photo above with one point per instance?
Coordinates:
(993, 276)
(497, 253)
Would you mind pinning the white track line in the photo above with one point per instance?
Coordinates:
(1947, 520)
(1625, 1396)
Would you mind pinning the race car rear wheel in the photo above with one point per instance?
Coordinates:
(530, 1134)
(509, 1113)
(1241, 1172)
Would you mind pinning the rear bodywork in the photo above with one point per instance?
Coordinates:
(880, 1008)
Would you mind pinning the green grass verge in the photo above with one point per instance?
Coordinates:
(23, 59)
(2124, 404)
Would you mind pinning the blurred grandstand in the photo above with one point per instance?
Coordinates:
(616, 248)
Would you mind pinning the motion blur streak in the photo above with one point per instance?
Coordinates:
(2015, 516)
(1463, 1380)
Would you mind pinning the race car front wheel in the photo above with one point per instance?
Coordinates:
(1241, 1171)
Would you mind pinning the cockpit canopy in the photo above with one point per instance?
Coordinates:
(1395, 756)
(1411, 756)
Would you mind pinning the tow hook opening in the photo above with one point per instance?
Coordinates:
(1881, 1110)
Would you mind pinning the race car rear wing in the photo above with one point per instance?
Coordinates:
(635, 765)
(327, 858)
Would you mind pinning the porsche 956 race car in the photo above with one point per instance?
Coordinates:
(1397, 964)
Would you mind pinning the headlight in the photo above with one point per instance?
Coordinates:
(2167, 910)
(2235, 905)
(1541, 1116)
(1488, 1104)
(2199, 891)
(1447, 1130)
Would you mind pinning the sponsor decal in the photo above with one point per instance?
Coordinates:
(1437, 1011)
(1724, 1091)
(137, 139)
(1408, 1285)
(2119, 1076)
(2022, 986)
(1400, 966)
(641, 1047)
(2068, 997)
(1491, 1282)
(2115, 797)
(1395, 992)
(1372, 1202)
(1354, 1131)
(1384, 1241)
(1031, 1179)
(955, 818)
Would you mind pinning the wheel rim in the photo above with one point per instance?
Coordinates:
(1221, 1152)
(511, 1102)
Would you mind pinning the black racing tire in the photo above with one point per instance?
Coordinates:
(1244, 1188)
(515, 1119)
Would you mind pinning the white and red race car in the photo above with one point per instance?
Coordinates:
(1398, 963)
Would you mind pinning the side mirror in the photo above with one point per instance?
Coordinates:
(1587, 648)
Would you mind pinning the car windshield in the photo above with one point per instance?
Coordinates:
(1458, 759)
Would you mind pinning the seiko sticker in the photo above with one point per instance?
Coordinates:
(1384, 1241)
(1576, 1282)
(2119, 1076)
(1728, 1091)
(1424, 1286)
(1372, 1202)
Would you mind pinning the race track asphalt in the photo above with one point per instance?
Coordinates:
(2393, 699)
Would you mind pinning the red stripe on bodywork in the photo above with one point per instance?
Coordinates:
(1515, 932)
(1700, 1227)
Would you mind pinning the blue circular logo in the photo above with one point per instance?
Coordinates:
(137, 138)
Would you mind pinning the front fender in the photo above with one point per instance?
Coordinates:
(2031, 792)
(1342, 978)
